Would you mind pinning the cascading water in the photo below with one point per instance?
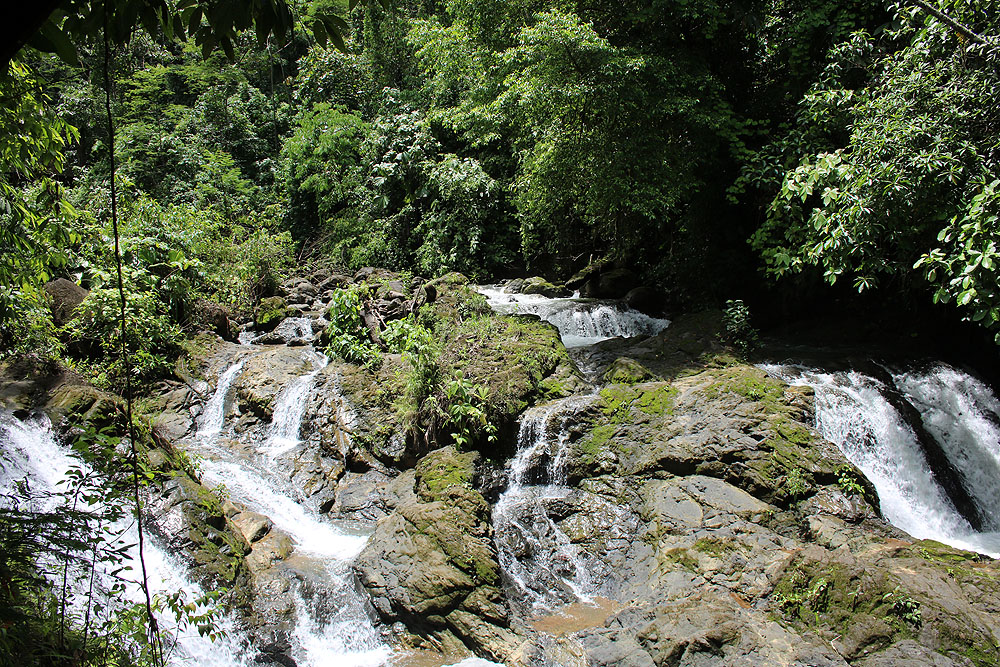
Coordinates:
(31, 452)
(961, 413)
(580, 321)
(536, 555)
(283, 434)
(337, 629)
(534, 552)
(214, 414)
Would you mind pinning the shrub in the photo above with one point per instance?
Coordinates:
(737, 329)
(347, 336)
(153, 339)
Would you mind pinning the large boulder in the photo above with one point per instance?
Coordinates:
(743, 537)
(431, 564)
(538, 285)
(65, 296)
(269, 313)
(265, 374)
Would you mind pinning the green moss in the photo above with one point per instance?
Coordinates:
(270, 311)
(618, 400)
(717, 547)
(596, 442)
(828, 598)
(748, 382)
(681, 557)
(792, 432)
(442, 469)
(942, 553)
(625, 370)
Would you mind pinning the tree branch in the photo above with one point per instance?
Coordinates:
(952, 23)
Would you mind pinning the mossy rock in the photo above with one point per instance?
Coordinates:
(269, 313)
(443, 469)
(625, 370)
(538, 285)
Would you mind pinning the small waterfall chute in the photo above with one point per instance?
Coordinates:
(286, 421)
(536, 555)
(580, 322)
(853, 412)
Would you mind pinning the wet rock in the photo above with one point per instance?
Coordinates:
(364, 496)
(291, 331)
(537, 285)
(514, 286)
(335, 281)
(431, 563)
(626, 371)
(263, 377)
(189, 519)
(909, 653)
(303, 289)
(253, 526)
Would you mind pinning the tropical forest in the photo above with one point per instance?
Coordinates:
(482, 333)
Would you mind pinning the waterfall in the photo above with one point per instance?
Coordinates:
(30, 451)
(853, 412)
(291, 330)
(286, 421)
(580, 321)
(963, 415)
(535, 554)
(214, 415)
(335, 626)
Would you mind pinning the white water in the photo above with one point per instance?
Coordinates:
(283, 434)
(31, 452)
(534, 553)
(214, 414)
(852, 412)
(580, 321)
(289, 329)
(962, 414)
(334, 630)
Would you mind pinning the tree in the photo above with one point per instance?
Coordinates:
(897, 158)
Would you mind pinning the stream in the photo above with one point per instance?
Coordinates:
(901, 428)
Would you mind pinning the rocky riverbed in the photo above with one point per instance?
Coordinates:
(670, 504)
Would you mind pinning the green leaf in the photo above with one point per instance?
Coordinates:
(51, 39)
(319, 30)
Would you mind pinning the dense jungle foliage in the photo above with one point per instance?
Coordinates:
(794, 142)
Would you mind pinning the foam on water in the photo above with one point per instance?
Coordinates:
(580, 321)
(853, 413)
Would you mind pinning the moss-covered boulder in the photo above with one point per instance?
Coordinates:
(269, 313)
(373, 411)
(625, 370)
(431, 564)
(538, 285)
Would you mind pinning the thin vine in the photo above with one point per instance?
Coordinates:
(154, 634)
